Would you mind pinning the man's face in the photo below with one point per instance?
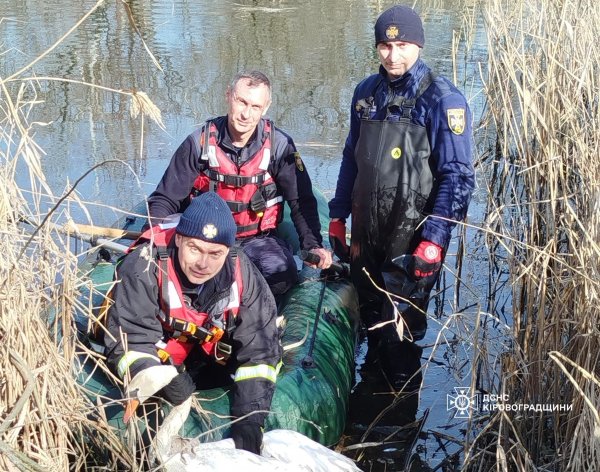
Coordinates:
(246, 106)
(397, 57)
(200, 260)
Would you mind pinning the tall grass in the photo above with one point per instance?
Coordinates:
(47, 422)
(543, 94)
(45, 416)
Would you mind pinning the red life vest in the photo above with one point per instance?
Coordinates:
(249, 190)
(184, 325)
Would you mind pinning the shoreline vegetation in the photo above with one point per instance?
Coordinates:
(542, 219)
(538, 162)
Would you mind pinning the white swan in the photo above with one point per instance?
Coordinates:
(282, 450)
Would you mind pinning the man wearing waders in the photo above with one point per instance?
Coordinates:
(406, 178)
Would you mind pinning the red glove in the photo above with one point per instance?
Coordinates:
(337, 239)
(428, 259)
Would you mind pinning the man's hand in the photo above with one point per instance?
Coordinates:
(247, 435)
(337, 239)
(179, 389)
(428, 259)
(325, 258)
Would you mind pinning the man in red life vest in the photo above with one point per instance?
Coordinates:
(187, 298)
(255, 167)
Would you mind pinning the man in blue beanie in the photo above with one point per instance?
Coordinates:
(406, 178)
(185, 297)
(256, 168)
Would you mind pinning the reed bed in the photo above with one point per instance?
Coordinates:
(47, 422)
(542, 88)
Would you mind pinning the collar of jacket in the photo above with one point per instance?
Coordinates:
(408, 84)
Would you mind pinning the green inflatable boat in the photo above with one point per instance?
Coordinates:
(320, 322)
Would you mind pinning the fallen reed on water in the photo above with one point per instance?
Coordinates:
(542, 88)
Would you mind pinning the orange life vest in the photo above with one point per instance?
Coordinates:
(249, 190)
(184, 325)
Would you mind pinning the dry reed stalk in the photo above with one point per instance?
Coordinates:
(543, 93)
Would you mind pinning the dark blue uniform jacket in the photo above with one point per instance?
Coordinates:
(451, 153)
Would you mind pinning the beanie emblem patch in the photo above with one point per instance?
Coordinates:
(392, 32)
(209, 231)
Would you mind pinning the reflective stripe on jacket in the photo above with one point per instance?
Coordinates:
(257, 371)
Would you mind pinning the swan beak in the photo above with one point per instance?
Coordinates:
(130, 409)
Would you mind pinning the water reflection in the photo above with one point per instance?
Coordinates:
(315, 53)
(384, 425)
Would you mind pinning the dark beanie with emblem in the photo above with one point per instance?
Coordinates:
(400, 23)
(208, 218)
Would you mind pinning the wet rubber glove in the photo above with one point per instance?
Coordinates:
(247, 435)
(428, 259)
(179, 389)
(337, 239)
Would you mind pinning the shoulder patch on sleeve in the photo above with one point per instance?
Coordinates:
(456, 120)
(299, 163)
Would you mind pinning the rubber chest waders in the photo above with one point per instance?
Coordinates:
(391, 192)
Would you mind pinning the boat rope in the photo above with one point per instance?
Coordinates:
(308, 361)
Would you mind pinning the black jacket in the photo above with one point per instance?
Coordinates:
(286, 168)
(254, 340)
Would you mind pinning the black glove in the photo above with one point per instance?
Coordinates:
(247, 435)
(179, 389)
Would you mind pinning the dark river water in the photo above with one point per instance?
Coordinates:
(182, 54)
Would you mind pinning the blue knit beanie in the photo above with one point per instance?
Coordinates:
(208, 218)
(399, 23)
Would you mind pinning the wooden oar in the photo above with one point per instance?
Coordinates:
(95, 235)
(100, 231)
